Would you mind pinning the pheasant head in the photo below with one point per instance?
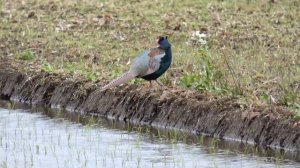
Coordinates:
(163, 42)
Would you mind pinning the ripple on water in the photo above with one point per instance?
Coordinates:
(35, 140)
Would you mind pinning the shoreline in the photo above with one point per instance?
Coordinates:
(185, 110)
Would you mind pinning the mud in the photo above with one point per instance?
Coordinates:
(194, 112)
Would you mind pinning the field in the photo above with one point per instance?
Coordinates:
(250, 49)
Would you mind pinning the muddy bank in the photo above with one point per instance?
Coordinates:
(198, 113)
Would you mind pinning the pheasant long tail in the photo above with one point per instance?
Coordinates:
(122, 79)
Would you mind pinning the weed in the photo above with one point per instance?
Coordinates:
(91, 77)
(265, 97)
(296, 108)
(201, 139)
(206, 78)
(26, 55)
(47, 67)
(188, 80)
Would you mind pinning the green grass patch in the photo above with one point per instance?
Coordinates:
(26, 55)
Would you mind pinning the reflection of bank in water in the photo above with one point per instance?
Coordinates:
(33, 139)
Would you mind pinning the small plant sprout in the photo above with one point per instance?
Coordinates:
(201, 140)
(175, 137)
(37, 149)
(45, 150)
(159, 133)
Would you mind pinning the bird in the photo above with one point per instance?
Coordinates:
(149, 65)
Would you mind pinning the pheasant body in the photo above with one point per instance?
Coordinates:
(164, 66)
(149, 65)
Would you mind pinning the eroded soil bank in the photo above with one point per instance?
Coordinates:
(195, 112)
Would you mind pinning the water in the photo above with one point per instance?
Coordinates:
(36, 140)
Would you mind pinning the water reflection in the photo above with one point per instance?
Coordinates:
(29, 138)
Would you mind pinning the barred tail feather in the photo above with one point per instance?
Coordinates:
(122, 79)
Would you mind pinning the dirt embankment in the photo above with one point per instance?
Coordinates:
(194, 112)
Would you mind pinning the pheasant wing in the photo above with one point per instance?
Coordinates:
(155, 55)
(148, 62)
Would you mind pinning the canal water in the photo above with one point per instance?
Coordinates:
(39, 138)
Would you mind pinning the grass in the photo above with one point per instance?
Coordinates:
(252, 50)
(26, 55)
